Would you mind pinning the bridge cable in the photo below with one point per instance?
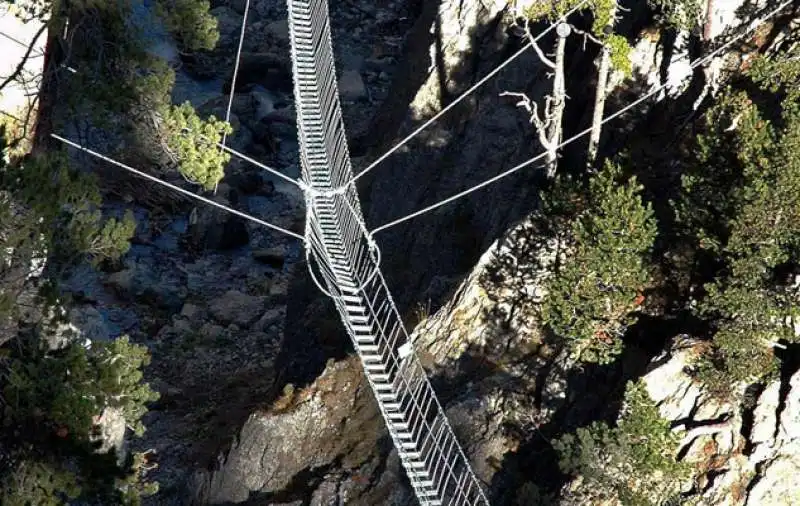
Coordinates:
(35, 54)
(697, 63)
(466, 94)
(235, 75)
(260, 165)
(177, 188)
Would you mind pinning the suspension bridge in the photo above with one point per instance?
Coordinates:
(343, 258)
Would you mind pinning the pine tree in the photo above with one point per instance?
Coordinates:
(741, 204)
(110, 87)
(593, 297)
(49, 213)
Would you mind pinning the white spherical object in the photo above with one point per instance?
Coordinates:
(563, 30)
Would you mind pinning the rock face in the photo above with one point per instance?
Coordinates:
(743, 450)
(481, 367)
(324, 442)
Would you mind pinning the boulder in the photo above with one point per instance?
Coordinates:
(279, 29)
(237, 5)
(334, 420)
(215, 229)
(90, 322)
(267, 69)
(351, 86)
(264, 102)
(250, 182)
(141, 281)
(192, 311)
(238, 308)
(229, 24)
(274, 257)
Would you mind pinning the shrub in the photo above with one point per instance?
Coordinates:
(193, 143)
(633, 461)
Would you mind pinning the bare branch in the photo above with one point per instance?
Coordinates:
(524, 102)
(532, 108)
(21, 65)
(547, 61)
(587, 35)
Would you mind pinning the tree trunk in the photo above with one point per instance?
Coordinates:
(709, 25)
(599, 105)
(555, 133)
(53, 58)
(600, 99)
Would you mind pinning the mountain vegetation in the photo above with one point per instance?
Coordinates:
(57, 388)
(634, 461)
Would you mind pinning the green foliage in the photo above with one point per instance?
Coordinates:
(34, 483)
(604, 13)
(592, 299)
(67, 388)
(741, 202)
(681, 14)
(61, 208)
(121, 88)
(58, 395)
(620, 53)
(191, 23)
(50, 398)
(550, 10)
(634, 461)
(778, 74)
(134, 486)
(193, 142)
(531, 495)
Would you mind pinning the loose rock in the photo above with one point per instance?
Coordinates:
(237, 307)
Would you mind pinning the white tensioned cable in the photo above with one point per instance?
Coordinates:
(260, 165)
(177, 188)
(13, 39)
(236, 68)
(35, 54)
(467, 93)
(233, 79)
(697, 63)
